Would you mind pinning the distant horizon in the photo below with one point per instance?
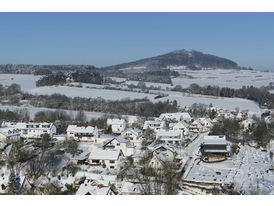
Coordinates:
(105, 39)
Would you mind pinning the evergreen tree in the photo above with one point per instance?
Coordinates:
(13, 186)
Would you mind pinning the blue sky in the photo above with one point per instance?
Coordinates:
(103, 39)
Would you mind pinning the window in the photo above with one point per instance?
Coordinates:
(96, 161)
(112, 161)
(118, 144)
(111, 167)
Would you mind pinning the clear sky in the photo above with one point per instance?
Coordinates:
(103, 39)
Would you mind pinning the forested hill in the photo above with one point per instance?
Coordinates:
(189, 59)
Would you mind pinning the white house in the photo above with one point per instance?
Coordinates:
(32, 129)
(182, 125)
(170, 136)
(214, 146)
(131, 188)
(179, 116)
(196, 127)
(165, 149)
(109, 159)
(206, 124)
(134, 135)
(154, 125)
(9, 133)
(117, 125)
(82, 133)
(157, 161)
(120, 143)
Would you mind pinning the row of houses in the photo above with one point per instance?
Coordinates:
(31, 130)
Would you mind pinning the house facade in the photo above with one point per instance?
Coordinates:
(109, 159)
(32, 129)
(134, 135)
(182, 125)
(170, 136)
(154, 125)
(120, 143)
(9, 134)
(214, 147)
(83, 133)
(117, 125)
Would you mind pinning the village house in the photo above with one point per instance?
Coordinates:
(214, 147)
(83, 133)
(157, 161)
(92, 187)
(206, 124)
(167, 150)
(134, 135)
(182, 125)
(131, 188)
(154, 125)
(109, 159)
(31, 129)
(120, 143)
(117, 125)
(179, 116)
(170, 136)
(80, 158)
(7, 134)
(196, 127)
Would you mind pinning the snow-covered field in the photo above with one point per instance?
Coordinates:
(27, 82)
(225, 78)
(90, 92)
(230, 78)
(186, 100)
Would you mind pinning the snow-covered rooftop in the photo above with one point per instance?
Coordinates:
(215, 139)
(115, 121)
(102, 154)
(80, 129)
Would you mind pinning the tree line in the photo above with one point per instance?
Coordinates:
(58, 78)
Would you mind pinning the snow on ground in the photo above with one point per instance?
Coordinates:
(186, 100)
(27, 82)
(90, 92)
(224, 78)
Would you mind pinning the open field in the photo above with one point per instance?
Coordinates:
(224, 78)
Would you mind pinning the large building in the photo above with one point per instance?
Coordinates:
(171, 136)
(214, 147)
(31, 129)
(83, 133)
